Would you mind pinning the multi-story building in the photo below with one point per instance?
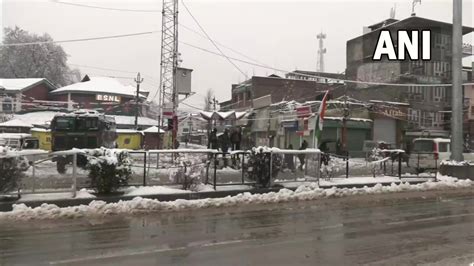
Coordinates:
(428, 105)
(295, 87)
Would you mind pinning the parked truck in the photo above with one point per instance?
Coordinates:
(82, 129)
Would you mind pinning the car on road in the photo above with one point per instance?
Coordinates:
(427, 153)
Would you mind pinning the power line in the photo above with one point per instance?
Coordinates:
(238, 60)
(80, 40)
(149, 77)
(106, 8)
(103, 68)
(225, 46)
(212, 41)
(191, 106)
(323, 77)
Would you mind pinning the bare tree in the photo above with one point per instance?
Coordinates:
(208, 100)
(46, 60)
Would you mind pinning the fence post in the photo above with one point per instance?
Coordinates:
(74, 174)
(185, 177)
(243, 173)
(384, 167)
(306, 165)
(319, 167)
(208, 162)
(418, 166)
(295, 165)
(271, 169)
(144, 169)
(392, 163)
(400, 165)
(347, 164)
(34, 174)
(215, 170)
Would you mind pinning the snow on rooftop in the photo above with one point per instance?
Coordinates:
(44, 117)
(153, 129)
(16, 123)
(130, 120)
(37, 118)
(350, 118)
(100, 85)
(18, 84)
(128, 131)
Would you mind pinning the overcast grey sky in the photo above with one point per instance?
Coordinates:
(281, 34)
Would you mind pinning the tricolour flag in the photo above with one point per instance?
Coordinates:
(319, 121)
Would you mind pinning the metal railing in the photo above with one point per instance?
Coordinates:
(32, 156)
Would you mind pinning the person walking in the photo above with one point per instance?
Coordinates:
(302, 157)
(236, 139)
(225, 143)
(213, 142)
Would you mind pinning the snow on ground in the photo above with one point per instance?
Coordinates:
(81, 194)
(139, 191)
(309, 191)
(345, 181)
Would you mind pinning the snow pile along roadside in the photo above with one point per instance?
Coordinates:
(305, 192)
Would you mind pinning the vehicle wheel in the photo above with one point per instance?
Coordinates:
(61, 166)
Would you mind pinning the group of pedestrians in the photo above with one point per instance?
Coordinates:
(289, 159)
(225, 141)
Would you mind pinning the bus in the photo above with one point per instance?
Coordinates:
(82, 129)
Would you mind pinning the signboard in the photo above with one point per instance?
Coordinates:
(167, 112)
(303, 111)
(107, 98)
(290, 124)
(303, 133)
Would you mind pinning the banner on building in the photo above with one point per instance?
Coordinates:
(303, 111)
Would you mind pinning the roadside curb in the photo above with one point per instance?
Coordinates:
(8, 206)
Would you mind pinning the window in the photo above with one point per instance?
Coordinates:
(423, 146)
(64, 123)
(7, 105)
(87, 123)
(443, 147)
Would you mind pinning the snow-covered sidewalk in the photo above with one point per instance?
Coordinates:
(309, 191)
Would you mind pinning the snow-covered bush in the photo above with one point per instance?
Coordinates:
(189, 171)
(10, 171)
(258, 165)
(108, 169)
(376, 159)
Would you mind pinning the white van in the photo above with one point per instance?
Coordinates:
(428, 153)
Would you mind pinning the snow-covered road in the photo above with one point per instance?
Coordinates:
(384, 229)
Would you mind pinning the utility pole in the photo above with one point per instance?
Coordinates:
(169, 63)
(457, 93)
(321, 52)
(214, 103)
(345, 116)
(138, 80)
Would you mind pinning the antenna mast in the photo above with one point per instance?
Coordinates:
(168, 97)
(321, 52)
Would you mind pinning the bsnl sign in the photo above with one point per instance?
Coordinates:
(107, 98)
(408, 42)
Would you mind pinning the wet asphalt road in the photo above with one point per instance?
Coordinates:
(326, 232)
